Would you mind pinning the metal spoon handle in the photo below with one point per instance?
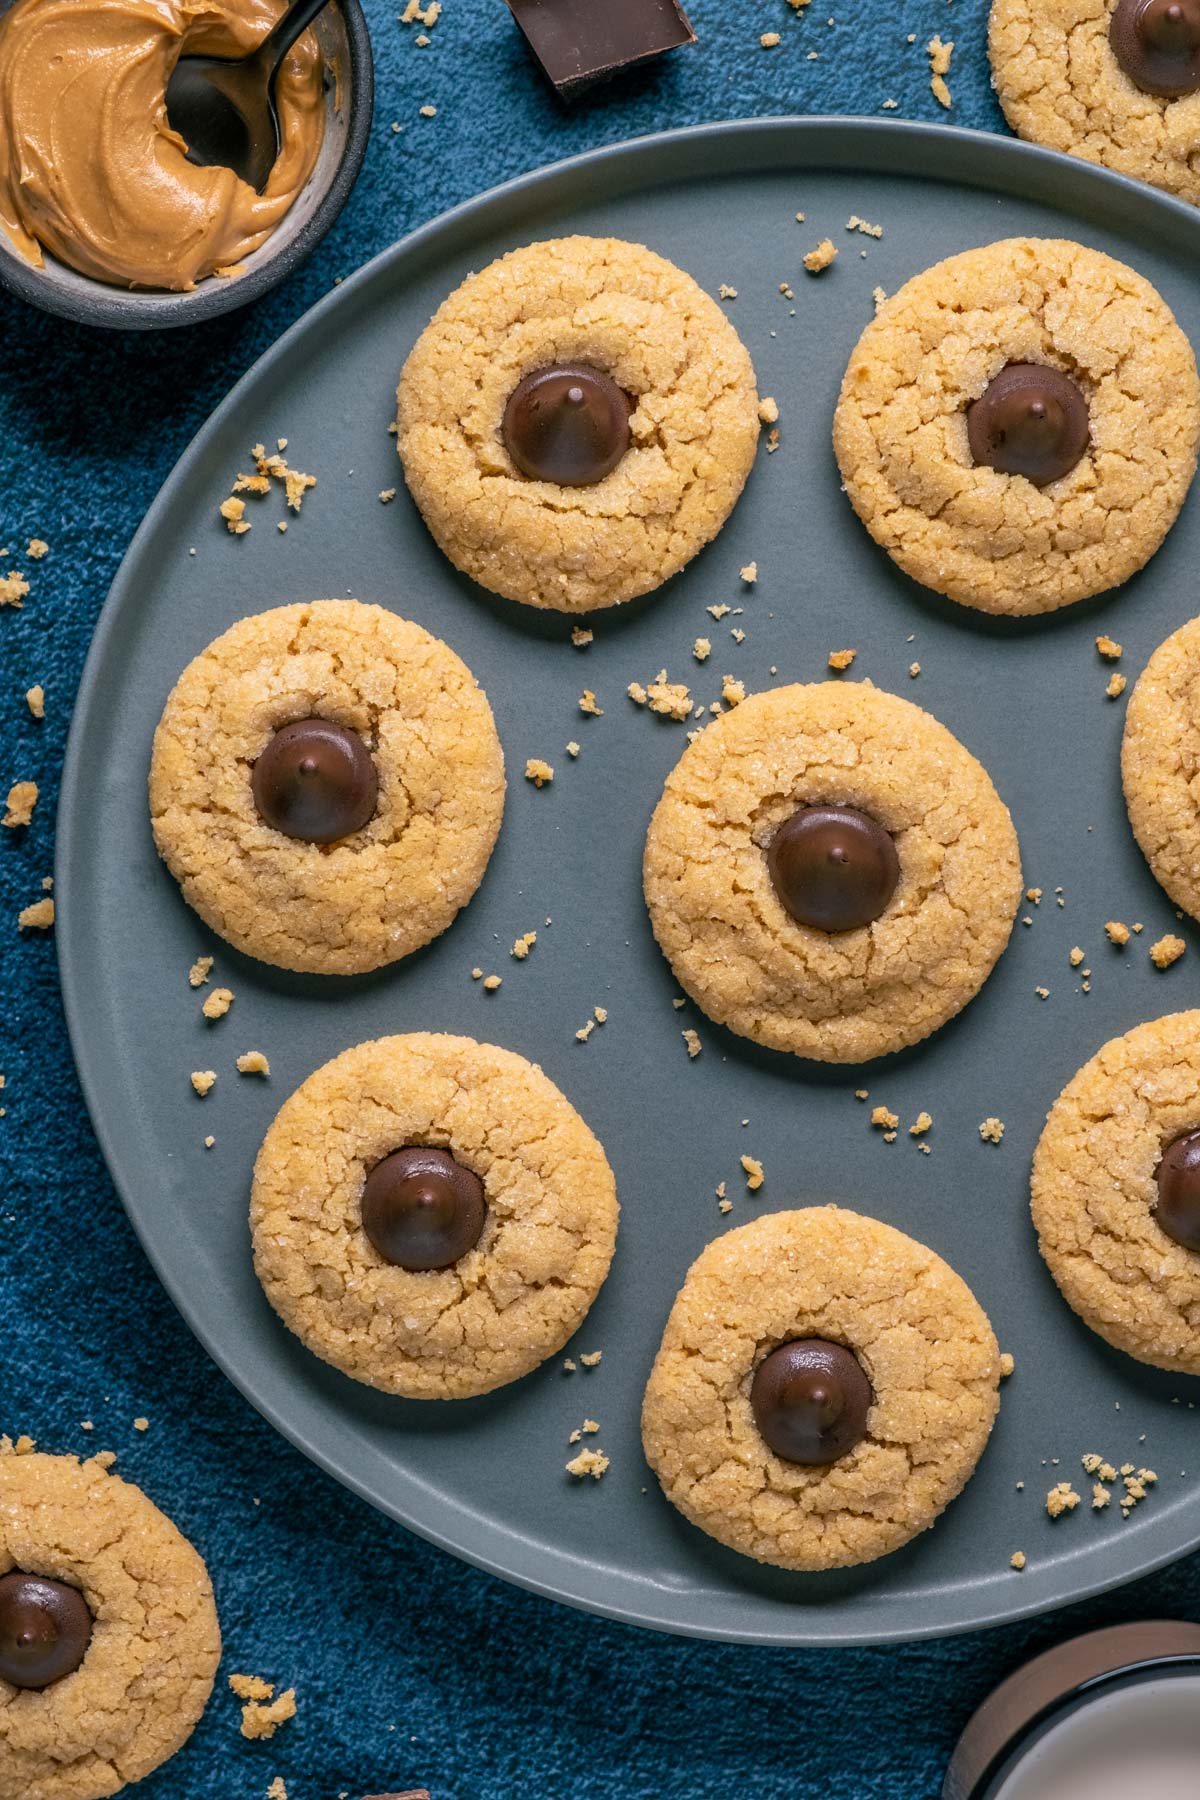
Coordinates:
(283, 34)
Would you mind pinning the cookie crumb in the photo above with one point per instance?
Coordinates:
(588, 1462)
(141, 1423)
(259, 1721)
(1007, 1365)
(992, 1130)
(203, 1080)
(22, 798)
(251, 1687)
(38, 917)
(768, 410)
(880, 1115)
(1061, 1499)
(754, 1173)
(1075, 957)
(572, 748)
(199, 972)
(732, 690)
(36, 548)
(914, 669)
(841, 659)
(1101, 1496)
(524, 945)
(1110, 649)
(1017, 1560)
(13, 589)
(253, 1063)
(277, 1789)
(591, 1358)
(1167, 950)
(820, 258)
(769, 39)
(692, 1040)
(702, 649)
(939, 67)
(749, 573)
(920, 1125)
(492, 982)
(581, 637)
(725, 292)
(854, 223)
(35, 700)
(232, 511)
(218, 1003)
(587, 704)
(1117, 933)
(1116, 686)
(538, 772)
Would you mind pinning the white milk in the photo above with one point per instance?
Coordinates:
(1134, 1743)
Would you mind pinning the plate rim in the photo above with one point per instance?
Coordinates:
(72, 943)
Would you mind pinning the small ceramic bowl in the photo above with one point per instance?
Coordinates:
(346, 44)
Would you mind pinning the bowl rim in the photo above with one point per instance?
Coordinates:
(98, 302)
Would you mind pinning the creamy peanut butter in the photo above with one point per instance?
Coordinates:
(90, 169)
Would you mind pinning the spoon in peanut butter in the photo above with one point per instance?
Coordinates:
(225, 110)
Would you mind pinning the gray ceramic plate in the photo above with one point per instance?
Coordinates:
(485, 1478)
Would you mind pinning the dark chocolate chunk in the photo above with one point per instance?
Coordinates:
(578, 42)
(1178, 1178)
(1030, 420)
(421, 1209)
(316, 781)
(569, 425)
(45, 1629)
(1157, 43)
(810, 1400)
(833, 867)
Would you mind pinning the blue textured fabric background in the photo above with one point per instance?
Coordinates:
(411, 1670)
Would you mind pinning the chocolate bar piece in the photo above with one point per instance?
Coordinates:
(578, 42)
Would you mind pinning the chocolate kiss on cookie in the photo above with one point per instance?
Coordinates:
(567, 424)
(834, 868)
(316, 781)
(422, 1209)
(1030, 420)
(1157, 43)
(1178, 1179)
(810, 1401)
(45, 1629)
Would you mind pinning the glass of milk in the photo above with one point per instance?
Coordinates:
(1112, 1715)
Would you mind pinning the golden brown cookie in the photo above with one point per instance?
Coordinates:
(988, 537)
(836, 995)
(917, 1333)
(615, 310)
(149, 1649)
(429, 771)
(504, 1286)
(1160, 765)
(1060, 82)
(1102, 1216)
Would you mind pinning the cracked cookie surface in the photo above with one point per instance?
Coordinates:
(148, 1671)
(1160, 765)
(1060, 84)
(990, 540)
(1094, 1193)
(384, 891)
(921, 1337)
(506, 1305)
(616, 307)
(832, 996)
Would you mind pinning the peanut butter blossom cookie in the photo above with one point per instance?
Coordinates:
(825, 1386)
(830, 872)
(1112, 81)
(1160, 760)
(326, 786)
(431, 1216)
(1116, 1193)
(577, 421)
(1018, 425)
(108, 1633)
